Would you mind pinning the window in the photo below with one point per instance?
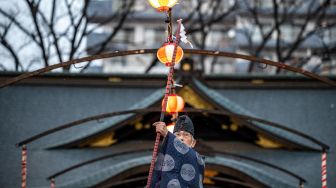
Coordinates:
(154, 36)
(125, 35)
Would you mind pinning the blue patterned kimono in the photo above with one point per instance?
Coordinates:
(177, 166)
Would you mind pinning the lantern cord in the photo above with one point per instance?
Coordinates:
(164, 106)
(324, 169)
(170, 25)
(172, 87)
(52, 183)
(24, 167)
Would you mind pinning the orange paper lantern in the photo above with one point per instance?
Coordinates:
(162, 5)
(175, 104)
(165, 53)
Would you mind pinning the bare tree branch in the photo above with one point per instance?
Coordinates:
(127, 6)
(52, 30)
(201, 21)
(319, 13)
(285, 13)
(278, 30)
(33, 7)
(10, 49)
(19, 25)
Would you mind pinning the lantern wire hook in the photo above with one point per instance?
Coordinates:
(170, 25)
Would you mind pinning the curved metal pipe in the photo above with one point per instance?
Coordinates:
(121, 182)
(301, 179)
(131, 180)
(93, 161)
(53, 176)
(228, 180)
(151, 51)
(81, 121)
(189, 110)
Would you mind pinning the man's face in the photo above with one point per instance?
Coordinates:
(186, 138)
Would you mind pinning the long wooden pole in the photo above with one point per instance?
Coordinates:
(163, 110)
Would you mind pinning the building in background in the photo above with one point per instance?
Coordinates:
(240, 152)
(241, 26)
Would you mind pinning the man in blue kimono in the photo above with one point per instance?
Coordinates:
(178, 165)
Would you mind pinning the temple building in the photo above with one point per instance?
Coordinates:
(260, 131)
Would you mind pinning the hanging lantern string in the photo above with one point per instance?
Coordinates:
(170, 26)
(52, 183)
(324, 169)
(24, 167)
(164, 106)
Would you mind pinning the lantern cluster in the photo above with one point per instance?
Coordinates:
(175, 104)
(162, 5)
(165, 53)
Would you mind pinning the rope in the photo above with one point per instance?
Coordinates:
(24, 167)
(324, 169)
(163, 110)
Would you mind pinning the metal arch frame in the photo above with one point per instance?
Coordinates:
(93, 161)
(151, 51)
(301, 180)
(64, 171)
(189, 110)
(118, 183)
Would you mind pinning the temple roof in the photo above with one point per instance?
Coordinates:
(214, 96)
